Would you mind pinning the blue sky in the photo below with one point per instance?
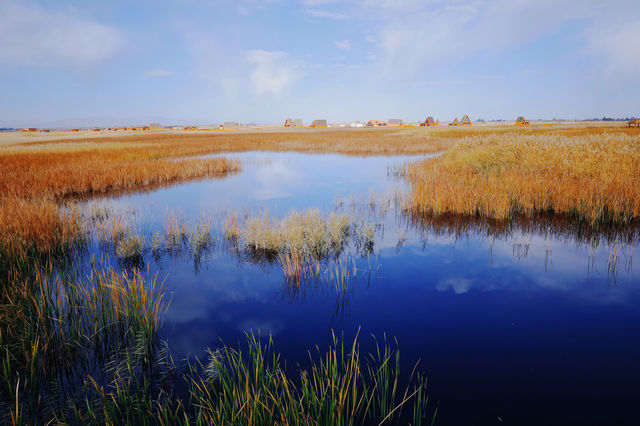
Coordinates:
(203, 62)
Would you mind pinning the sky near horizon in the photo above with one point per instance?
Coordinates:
(100, 63)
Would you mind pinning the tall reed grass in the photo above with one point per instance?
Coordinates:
(595, 179)
(340, 387)
(56, 333)
(36, 177)
(299, 242)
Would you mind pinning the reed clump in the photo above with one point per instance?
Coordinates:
(57, 333)
(340, 387)
(57, 175)
(35, 179)
(130, 248)
(594, 179)
(35, 229)
(249, 385)
(299, 242)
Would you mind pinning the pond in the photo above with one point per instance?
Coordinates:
(533, 322)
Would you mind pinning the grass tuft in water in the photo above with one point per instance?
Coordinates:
(340, 387)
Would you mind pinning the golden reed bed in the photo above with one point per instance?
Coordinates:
(593, 178)
(40, 170)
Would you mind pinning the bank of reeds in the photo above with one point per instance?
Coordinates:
(58, 333)
(594, 179)
(36, 178)
(35, 231)
(56, 175)
(299, 242)
(340, 387)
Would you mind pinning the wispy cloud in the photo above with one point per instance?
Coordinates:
(415, 35)
(325, 14)
(271, 72)
(30, 35)
(343, 45)
(215, 63)
(611, 44)
(159, 73)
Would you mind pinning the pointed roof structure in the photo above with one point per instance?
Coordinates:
(520, 121)
(428, 122)
(465, 121)
(454, 122)
(288, 122)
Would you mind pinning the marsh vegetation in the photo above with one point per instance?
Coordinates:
(83, 291)
(591, 178)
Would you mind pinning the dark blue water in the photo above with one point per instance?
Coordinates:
(534, 323)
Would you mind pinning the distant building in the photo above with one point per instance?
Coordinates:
(395, 122)
(428, 122)
(454, 122)
(320, 124)
(520, 121)
(290, 122)
(357, 124)
(634, 123)
(155, 126)
(189, 128)
(465, 121)
(376, 123)
(229, 125)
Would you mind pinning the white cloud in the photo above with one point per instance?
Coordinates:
(158, 73)
(272, 73)
(30, 35)
(458, 285)
(214, 62)
(343, 45)
(320, 13)
(414, 35)
(612, 43)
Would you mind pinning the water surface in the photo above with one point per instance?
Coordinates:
(532, 323)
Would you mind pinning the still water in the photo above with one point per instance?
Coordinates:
(529, 323)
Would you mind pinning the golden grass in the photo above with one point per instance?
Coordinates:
(55, 333)
(592, 177)
(35, 178)
(44, 169)
(62, 167)
(299, 242)
(59, 175)
(306, 244)
(361, 141)
(29, 226)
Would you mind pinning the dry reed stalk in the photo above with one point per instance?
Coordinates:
(63, 175)
(38, 225)
(594, 178)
